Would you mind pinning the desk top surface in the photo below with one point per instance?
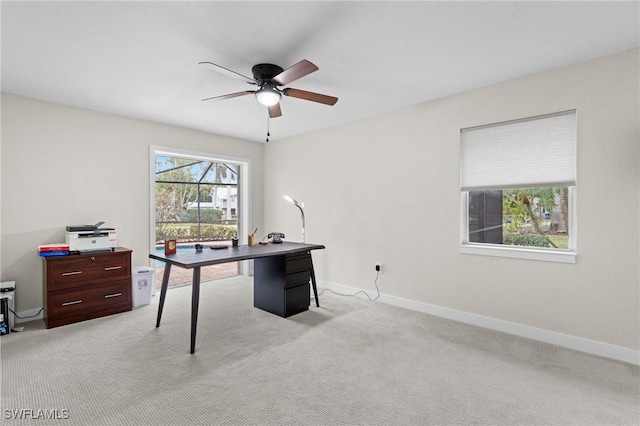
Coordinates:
(208, 256)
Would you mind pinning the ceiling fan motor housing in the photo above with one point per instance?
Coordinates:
(263, 73)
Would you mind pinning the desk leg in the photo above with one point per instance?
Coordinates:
(195, 298)
(163, 291)
(313, 284)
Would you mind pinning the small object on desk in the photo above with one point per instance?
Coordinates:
(198, 248)
(87, 238)
(54, 253)
(170, 247)
(234, 242)
(218, 247)
(251, 240)
(276, 237)
(263, 243)
(56, 249)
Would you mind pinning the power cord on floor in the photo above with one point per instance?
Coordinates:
(355, 294)
(30, 316)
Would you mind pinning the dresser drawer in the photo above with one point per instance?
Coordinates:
(78, 269)
(71, 302)
(85, 286)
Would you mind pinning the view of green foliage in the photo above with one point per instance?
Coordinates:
(206, 215)
(523, 209)
(562, 241)
(190, 232)
(177, 183)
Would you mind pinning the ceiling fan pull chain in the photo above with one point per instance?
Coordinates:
(268, 134)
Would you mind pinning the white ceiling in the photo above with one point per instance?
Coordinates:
(140, 59)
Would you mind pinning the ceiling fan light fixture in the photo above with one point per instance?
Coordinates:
(268, 96)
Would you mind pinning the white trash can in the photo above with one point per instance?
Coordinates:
(142, 285)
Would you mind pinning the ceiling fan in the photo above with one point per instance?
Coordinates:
(268, 77)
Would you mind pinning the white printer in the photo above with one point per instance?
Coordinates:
(83, 238)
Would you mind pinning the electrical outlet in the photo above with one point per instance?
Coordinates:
(379, 267)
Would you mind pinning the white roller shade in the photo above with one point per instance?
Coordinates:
(533, 152)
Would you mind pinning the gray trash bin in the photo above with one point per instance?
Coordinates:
(142, 285)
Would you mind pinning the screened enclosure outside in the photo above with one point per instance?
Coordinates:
(196, 202)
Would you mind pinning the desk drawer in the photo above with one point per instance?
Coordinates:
(296, 300)
(297, 262)
(78, 269)
(292, 280)
(68, 303)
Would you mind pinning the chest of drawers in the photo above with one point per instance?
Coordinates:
(86, 286)
(281, 283)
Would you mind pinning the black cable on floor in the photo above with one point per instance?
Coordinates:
(355, 294)
(31, 316)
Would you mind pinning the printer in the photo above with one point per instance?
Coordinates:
(84, 238)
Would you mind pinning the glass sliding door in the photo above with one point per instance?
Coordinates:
(196, 202)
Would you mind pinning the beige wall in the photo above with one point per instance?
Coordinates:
(386, 189)
(63, 166)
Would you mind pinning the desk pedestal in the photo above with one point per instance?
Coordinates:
(281, 283)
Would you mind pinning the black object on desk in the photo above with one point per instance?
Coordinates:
(279, 278)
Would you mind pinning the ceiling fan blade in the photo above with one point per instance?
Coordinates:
(310, 96)
(275, 111)
(229, 96)
(228, 72)
(294, 72)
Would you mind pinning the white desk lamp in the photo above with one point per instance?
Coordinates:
(300, 206)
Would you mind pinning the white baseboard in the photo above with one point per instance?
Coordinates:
(592, 347)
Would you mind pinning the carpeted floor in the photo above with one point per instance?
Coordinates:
(350, 362)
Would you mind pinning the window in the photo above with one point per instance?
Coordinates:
(197, 198)
(518, 185)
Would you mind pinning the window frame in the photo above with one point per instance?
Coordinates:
(520, 252)
(244, 191)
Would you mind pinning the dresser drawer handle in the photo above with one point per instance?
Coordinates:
(75, 302)
(108, 296)
(112, 268)
(66, 274)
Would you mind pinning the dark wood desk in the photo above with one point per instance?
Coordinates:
(279, 273)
